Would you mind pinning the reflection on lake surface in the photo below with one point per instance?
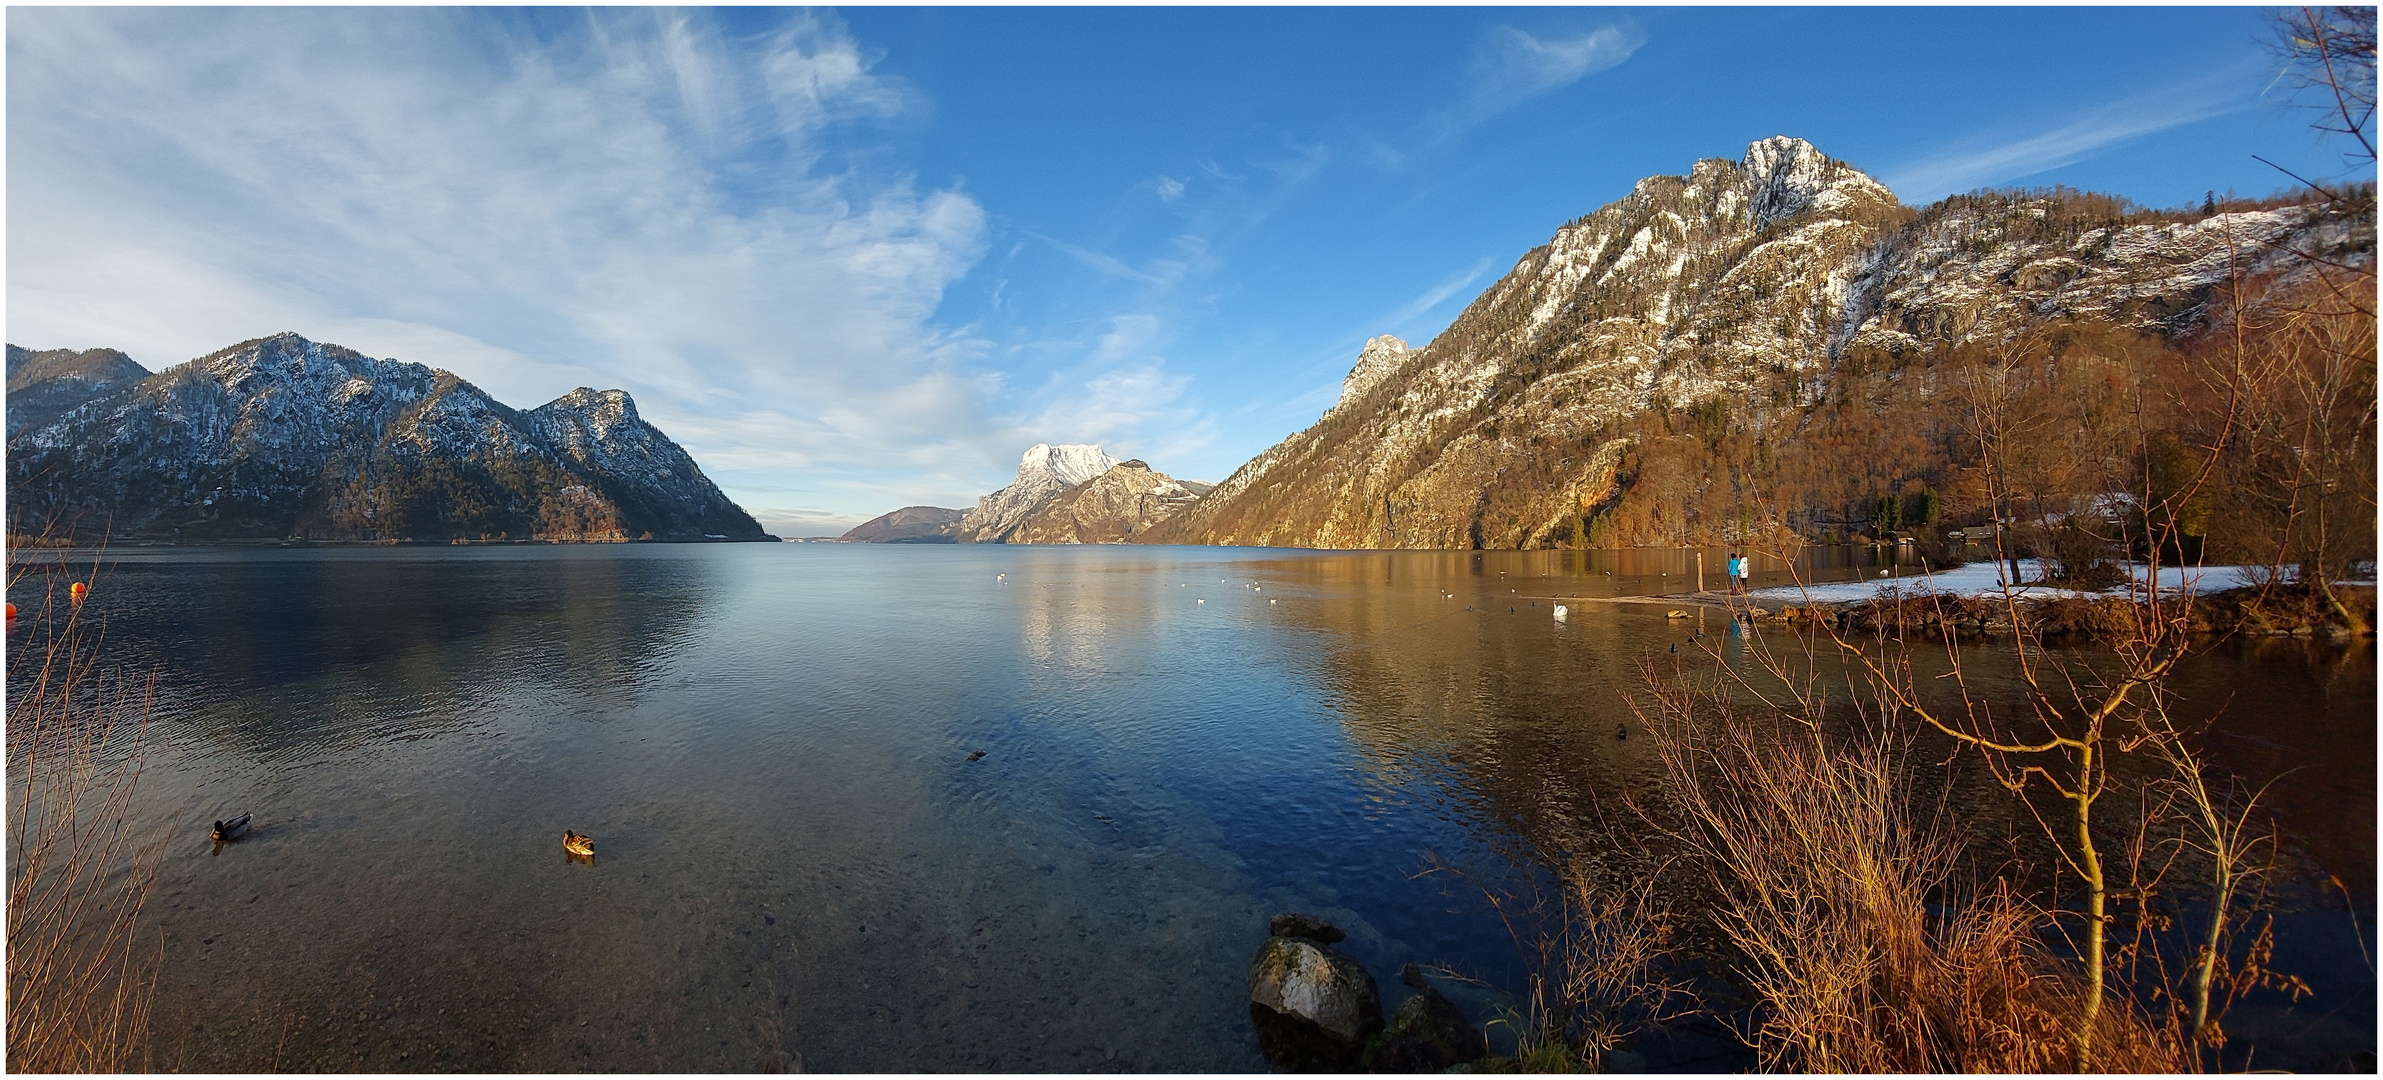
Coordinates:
(797, 864)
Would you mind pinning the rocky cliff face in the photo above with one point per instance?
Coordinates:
(1746, 283)
(1120, 504)
(45, 385)
(282, 436)
(1043, 472)
(909, 525)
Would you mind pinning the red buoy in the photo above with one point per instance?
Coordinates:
(12, 611)
(77, 590)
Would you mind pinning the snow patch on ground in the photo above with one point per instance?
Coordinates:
(1983, 579)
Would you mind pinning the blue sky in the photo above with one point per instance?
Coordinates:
(860, 259)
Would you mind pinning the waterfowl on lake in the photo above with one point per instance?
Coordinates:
(975, 754)
(231, 830)
(577, 844)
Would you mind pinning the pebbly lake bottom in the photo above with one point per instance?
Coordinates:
(797, 863)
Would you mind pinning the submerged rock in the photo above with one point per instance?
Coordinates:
(1304, 926)
(1314, 1009)
(1428, 1034)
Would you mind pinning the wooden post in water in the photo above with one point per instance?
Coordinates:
(1700, 572)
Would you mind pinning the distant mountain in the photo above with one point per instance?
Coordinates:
(43, 386)
(283, 436)
(1738, 301)
(1120, 504)
(910, 525)
(1043, 472)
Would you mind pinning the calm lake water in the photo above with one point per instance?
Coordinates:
(797, 864)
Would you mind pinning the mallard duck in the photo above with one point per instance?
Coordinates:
(577, 844)
(231, 830)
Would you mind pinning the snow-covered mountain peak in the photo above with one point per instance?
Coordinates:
(286, 357)
(1071, 463)
(281, 435)
(1766, 157)
(1380, 357)
(1789, 175)
(602, 412)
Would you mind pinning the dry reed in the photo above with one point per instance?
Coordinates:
(1837, 885)
(80, 867)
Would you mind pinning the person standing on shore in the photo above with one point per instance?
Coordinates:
(1732, 573)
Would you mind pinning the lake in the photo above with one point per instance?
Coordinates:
(797, 863)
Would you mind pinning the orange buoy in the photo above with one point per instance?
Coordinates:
(12, 611)
(77, 590)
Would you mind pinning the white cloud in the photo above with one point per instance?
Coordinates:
(535, 201)
(1973, 165)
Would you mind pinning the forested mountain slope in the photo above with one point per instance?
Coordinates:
(284, 436)
(1721, 347)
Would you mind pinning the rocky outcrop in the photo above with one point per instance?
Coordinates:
(1428, 1034)
(1043, 472)
(909, 525)
(281, 436)
(1380, 357)
(42, 386)
(1314, 1008)
(1744, 287)
(1117, 505)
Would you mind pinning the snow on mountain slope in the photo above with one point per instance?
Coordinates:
(282, 435)
(1119, 504)
(1044, 471)
(45, 385)
(1744, 281)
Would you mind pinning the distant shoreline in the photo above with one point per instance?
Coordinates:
(17, 549)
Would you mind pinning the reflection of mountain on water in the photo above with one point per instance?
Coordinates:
(1449, 668)
(1516, 721)
(271, 653)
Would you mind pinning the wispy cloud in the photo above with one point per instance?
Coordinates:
(1331, 368)
(1972, 165)
(1398, 318)
(1510, 66)
(1106, 264)
(535, 201)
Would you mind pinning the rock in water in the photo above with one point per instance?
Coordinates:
(1313, 1008)
(1306, 926)
(1428, 1035)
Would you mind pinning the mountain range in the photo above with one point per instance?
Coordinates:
(1069, 494)
(281, 436)
(1641, 378)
